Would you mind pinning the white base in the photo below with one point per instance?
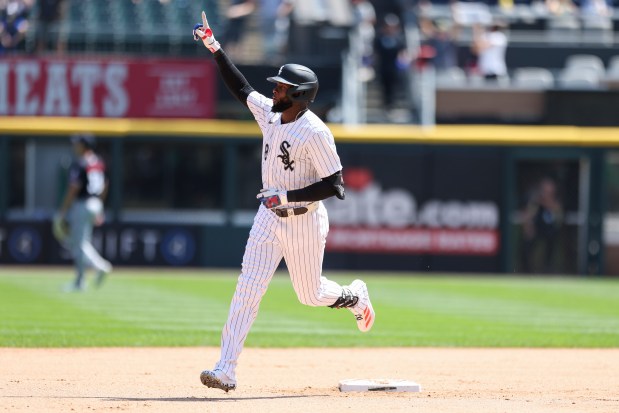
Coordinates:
(387, 385)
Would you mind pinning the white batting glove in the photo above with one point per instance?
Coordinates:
(204, 32)
(272, 198)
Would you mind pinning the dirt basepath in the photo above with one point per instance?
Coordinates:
(305, 380)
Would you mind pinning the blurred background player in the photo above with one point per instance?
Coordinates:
(82, 206)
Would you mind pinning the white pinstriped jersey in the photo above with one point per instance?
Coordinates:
(296, 154)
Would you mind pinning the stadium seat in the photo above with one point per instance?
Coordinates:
(125, 26)
(613, 67)
(334, 12)
(452, 77)
(533, 77)
(563, 28)
(579, 78)
(468, 14)
(597, 29)
(586, 62)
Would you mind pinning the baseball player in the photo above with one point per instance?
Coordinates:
(86, 191)
(300, 167)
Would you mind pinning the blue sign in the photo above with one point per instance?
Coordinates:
(25, 244)
(178, 247)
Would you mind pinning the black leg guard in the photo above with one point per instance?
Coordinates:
(348, 299)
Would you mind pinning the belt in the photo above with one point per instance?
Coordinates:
(287, 212)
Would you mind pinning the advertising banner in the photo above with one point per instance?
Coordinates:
(122, 244)
(107, 87)
(418, 209)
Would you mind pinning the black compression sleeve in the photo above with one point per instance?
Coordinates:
(233, 78)
(315, 192)
(326, 188)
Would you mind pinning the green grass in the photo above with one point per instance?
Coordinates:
(189, 308)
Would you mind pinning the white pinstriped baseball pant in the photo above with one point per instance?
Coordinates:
(300, 240)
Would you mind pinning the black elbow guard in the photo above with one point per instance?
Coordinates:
(337, 180)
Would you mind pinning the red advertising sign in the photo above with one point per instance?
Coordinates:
(107, 87)
(414, 241)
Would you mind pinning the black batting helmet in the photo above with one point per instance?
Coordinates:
(303, 82)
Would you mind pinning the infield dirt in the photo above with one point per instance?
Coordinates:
(305, 380)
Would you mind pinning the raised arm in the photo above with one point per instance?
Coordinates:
(233, 78)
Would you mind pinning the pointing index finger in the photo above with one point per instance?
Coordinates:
(204, 21)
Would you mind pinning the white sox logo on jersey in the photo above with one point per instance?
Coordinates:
(285, 156)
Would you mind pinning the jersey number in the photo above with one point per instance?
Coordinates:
(96, 182)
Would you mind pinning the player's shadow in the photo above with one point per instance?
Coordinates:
(174, 399)
(203, 399)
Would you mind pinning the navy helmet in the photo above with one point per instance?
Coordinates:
(85, 139)
(303, 82)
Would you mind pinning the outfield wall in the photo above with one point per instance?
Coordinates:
(450, 198)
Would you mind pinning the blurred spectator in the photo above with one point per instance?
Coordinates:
(595, 8)
(489, 46)
(441, 36)
(139, 1)
(561, 7)
(506, 5)
(13, 24)
(384, 7)
(543, 219)
(275, 22)
(49, 14)
(237, 17)
(364, 21)
(390, 49)
(408, 9)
